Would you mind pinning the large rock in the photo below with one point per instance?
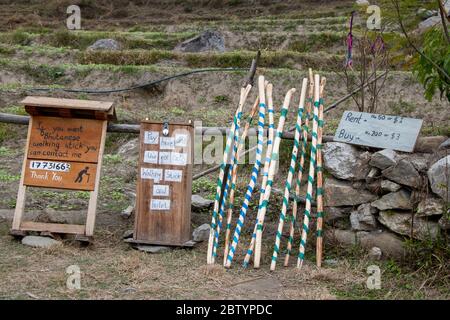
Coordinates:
(343, 237)
(129, 150)
(201, 233)
(389, 244)
(425, 14)
(362, 2)
(199, 203)
(341, 193)
(439, 177)
(419, 161)
(40, 242)
(390, 186)
(430, 206)
(375, 253)
(445, 144)
(105, 44)
(394, 200)
(428, 23)
(429, 144)
(127, 212)
(333, 214)
(153, 249)
(344, 161)
(383, 159)
(373, 175)
(444, 223)
(363, 219)
(404, 173)
(400, 222)
(207, 41)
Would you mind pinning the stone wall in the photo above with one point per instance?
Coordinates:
(378, 198)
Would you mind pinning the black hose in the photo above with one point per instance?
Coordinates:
(139, 86)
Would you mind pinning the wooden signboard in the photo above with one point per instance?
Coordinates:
(64, 149)
(163, 204)
(378, 130)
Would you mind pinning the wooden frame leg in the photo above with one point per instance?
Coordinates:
(20, 202)
(20, 207)
(92, 208)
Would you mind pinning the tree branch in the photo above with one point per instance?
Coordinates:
(444, 20)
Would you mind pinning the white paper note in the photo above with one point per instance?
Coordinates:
(161, 190)
(159, 204)
(151, 137)
(164, 157)
(151, 173)
(167, 143)
(179, 159)
(173, 175)
(181, 140)
(151, 157)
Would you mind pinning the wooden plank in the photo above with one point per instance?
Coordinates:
(67, 103)
(61, 175)
(187, 244)
(20, 202)
(92, 208)
(52, 227)
(158, 224)
(69, 140)
(378, 130)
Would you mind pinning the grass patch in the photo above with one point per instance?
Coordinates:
(435, 130)
(7, 177)
(203, 185)
(5, 152)
(317, 41)
(126, 57)
(7, 132)
(18, 110)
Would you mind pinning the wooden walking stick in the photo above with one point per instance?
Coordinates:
(265, 172)
(234, 177)
(237, 117)
(231, 166)
(273, 164)
(319, 240)
(287, 187)
(312, 164)
(300, 168)
(255, 172)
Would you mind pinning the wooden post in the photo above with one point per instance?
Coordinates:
(255, 171)
(234, 178)
(269, 149)
(272, 168)
(215, 219)
(92, 207)
(300, 170)
(21, 194)
(312, 164)
(287, 188)
(319, 240)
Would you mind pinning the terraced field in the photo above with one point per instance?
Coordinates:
(36, 52)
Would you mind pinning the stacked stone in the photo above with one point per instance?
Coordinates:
(386, 192)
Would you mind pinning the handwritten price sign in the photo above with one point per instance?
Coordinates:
(378, 130)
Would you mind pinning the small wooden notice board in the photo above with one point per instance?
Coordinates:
(163, 203)
(378, 130)
(64, 150)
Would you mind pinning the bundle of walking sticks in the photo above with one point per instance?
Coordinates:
(310, 110)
